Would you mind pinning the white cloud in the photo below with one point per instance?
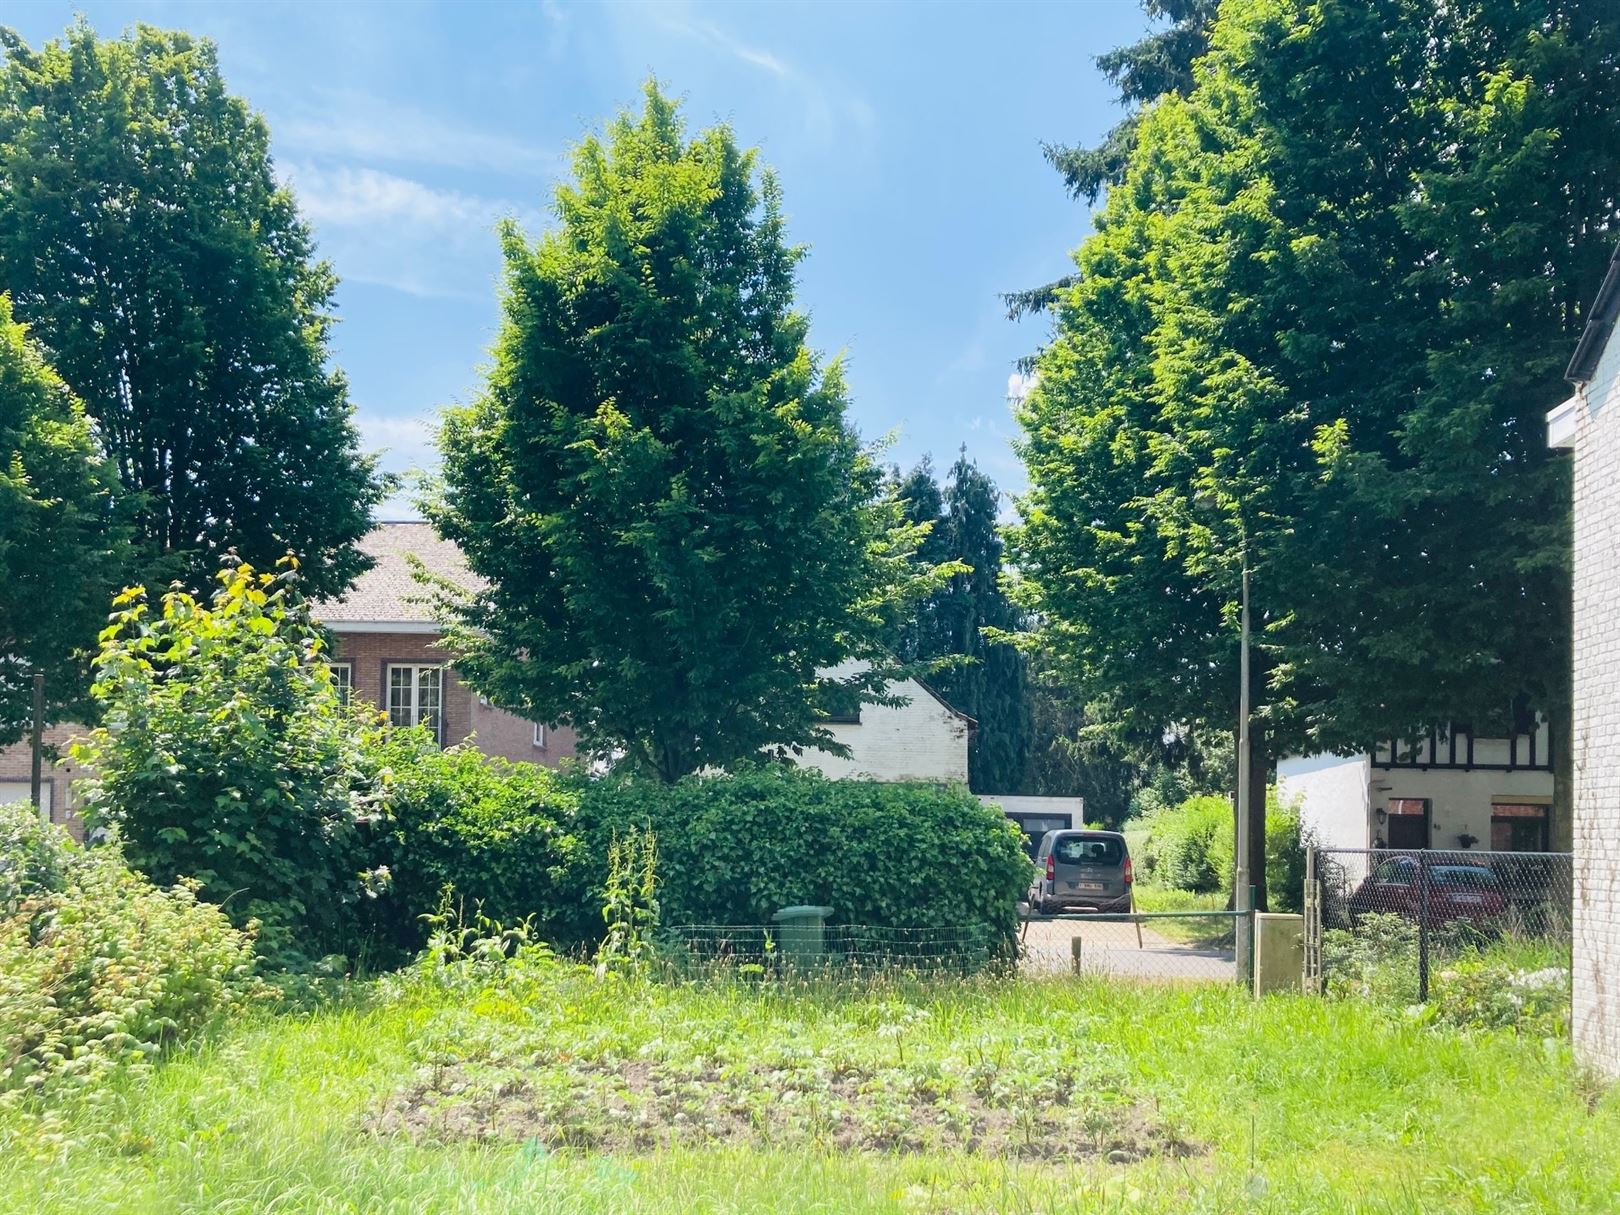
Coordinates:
(832, 112)
(403, 442)
(397, 232)
(350, 197)
(356, 126)
(1019, 385)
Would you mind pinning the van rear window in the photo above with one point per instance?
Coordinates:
(1088, 850)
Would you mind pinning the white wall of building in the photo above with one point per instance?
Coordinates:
(921, 740)
(1460, 801)
(1339, 796)
(1597, 715)
(1332, 792)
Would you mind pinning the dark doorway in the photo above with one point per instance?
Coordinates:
(1408, 822)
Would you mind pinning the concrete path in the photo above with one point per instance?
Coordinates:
(1109, 947)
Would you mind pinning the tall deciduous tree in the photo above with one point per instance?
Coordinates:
(678, 531)
(1316, 333)
(146, 242)
(59, 538)
(990, 679)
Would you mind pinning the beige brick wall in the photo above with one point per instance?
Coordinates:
(16, 763)
(493, 731)
(1597, 718)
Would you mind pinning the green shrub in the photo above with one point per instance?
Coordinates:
(228, 758)
(1189, 845)
(1513, 984)
(501, 835)
(100, 969)
(735, 848)
(1375, 960)
(1285, 856)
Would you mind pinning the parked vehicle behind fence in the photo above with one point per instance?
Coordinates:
(1455, 892)
(1081, 871)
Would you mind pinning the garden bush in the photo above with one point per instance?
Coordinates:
(1511, 983)
(501, 835)
(100, 969)
(1189, 847)
(228, 758)
(735, 848)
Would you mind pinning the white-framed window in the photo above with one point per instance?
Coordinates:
(416, 696)
(343, 680)
(539, 735)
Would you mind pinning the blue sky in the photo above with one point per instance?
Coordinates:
(906, 136)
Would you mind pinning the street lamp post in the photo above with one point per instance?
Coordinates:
(1240, 876)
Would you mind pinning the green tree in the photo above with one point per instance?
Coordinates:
(677, 530)
(59, 538)
(228, 757)
(1154, 66)
(989, 679)
(146, 242)
(1283, 351)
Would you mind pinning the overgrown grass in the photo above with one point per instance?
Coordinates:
(1207, 933)
(1288, 1105)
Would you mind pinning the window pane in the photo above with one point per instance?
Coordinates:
(401, 704)
(429, 698)
(343, 680)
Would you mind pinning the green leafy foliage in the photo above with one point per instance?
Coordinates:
(986, 678)
(59, 538)
(501, 836)
(1513, 983)
(1188, 846)
(1374, 960)
(630, 905)
(146, 240)
(99, 969)
(678, 531)
(227, 758)
(734, 849)
(1253, 370)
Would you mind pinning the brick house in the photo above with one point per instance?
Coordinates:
(1589, 425)
(386, 652)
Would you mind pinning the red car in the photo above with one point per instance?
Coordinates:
(1456, 892)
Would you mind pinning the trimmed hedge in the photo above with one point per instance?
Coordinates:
(501, 834)
(735, 848)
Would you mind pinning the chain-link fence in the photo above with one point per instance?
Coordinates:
(1383, 923)
(764, 950)
(1146, 946)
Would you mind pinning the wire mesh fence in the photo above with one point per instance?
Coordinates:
(1194, 946)
(1383, 922)
(1152, 947)
(764, 950)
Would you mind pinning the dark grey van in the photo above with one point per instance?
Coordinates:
(1081, 871)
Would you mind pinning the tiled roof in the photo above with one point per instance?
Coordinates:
(388, 592)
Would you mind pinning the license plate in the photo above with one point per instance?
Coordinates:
(1088, 885)
(1472, 899)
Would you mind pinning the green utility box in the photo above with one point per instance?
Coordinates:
(802, 936)
(1279, 952)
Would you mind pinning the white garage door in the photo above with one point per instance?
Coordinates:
(18, 791)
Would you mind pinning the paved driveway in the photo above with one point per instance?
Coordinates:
(1123, 950)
